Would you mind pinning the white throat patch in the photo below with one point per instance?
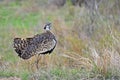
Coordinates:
(47, 27)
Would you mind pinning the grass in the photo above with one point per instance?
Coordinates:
(13, 19)
(23, 75)
(84, 50)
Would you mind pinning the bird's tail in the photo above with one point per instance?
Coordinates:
(20, 45)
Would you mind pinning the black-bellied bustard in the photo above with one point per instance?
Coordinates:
(39, 44)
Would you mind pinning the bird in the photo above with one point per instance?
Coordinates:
(43, 43)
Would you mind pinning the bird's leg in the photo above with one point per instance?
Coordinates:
(37, 61)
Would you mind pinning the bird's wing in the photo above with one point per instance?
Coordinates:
(45, 43)
(46, 46)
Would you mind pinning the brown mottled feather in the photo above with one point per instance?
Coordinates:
(39, 44)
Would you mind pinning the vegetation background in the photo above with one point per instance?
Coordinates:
(87, 31)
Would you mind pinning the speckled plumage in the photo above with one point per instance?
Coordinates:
(39, 44)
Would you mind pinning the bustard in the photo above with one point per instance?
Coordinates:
(39, 44)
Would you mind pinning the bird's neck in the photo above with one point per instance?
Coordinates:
(47, 28)
(47, 31)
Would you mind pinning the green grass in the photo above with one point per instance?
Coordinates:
(23, 75)
(7, 74)
(59, 72)
(11, 17)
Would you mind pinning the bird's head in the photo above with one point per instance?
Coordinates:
(47, 26)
